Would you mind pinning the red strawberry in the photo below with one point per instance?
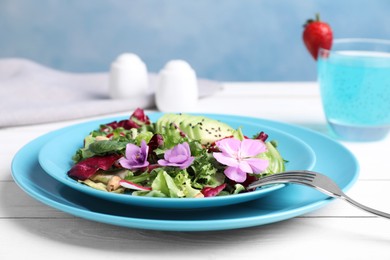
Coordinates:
(316, 35)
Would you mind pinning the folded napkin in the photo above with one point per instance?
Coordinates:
(31, 93)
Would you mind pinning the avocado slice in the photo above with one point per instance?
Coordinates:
(205, 129)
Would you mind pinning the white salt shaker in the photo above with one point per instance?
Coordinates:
(128, 77)
(177, 88)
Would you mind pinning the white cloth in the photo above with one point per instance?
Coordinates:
(31, 93)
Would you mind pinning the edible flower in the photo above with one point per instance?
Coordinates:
(136, 157)
(179, 156)
(239, 156)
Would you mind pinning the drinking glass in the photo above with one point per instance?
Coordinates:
(354, 80)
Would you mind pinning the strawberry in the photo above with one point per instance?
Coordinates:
(316, 35)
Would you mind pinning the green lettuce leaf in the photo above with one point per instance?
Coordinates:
(166, 185)
(276, 161)
(107, 146)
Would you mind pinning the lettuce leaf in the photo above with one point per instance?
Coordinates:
(164, 185)
(276, 162)
(107, 146)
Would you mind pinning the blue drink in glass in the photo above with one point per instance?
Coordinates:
(354, 80)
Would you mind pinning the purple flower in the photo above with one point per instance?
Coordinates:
(136, 157)
(239, 156)
(179, 156)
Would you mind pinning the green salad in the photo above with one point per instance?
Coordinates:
(178, 156)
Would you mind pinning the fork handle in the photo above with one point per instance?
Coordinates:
(365, 208)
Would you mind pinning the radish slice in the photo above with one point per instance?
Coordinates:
(133, 186)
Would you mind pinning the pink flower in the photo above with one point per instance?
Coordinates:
(179, 156)
(136, 157)
(239, 157)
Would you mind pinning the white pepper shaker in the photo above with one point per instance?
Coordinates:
(177, 88)
(128, 77)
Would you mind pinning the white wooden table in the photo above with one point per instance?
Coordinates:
(336, 231)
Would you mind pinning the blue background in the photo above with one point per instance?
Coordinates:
(230, 40)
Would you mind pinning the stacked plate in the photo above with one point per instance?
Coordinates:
(40, 168)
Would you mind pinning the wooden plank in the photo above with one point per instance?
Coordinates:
(337, 238)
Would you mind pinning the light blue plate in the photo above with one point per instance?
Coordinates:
(293, 200)
(55, 159)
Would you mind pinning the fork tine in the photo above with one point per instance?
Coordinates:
(295, 173)
(279, 181)
(291, 176)
(275, 181)
(301, 173)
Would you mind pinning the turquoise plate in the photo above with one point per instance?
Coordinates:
(332, 159)
(55, 159)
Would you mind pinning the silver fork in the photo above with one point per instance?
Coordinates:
(314, 180)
